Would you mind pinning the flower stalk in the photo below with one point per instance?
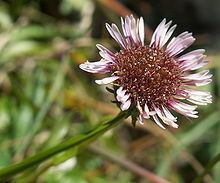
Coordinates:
(76, 141)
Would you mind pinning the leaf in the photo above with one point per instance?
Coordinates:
(18, 49)
(67, 144)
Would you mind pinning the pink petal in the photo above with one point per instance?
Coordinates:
(116, 35)
(104, 49)
(180, 43)
(192, 55)
(203, 75)
(96, 67)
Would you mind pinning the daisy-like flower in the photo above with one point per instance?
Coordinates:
(156, 77)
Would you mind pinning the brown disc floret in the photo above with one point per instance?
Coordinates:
(149, 74)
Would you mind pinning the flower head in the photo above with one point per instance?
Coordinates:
(156, 77)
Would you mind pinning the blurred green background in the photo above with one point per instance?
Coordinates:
(45, 97)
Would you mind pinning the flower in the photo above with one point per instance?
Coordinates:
(156, 77)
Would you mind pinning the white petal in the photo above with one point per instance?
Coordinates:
(127, 26)
(156, 32)
(180, 43)
(107, 80)
(199, 97)
(133, 29)
(141, 30)
(126, 105)
(123, 27)
(120, 93)
(198, 65)
(196, 92)
(151, 113)
(115, 35)
(123, 98)
(194, 64)
(118, 35)
(104, 49)
(146, 113)
(192, 55)
(188, 64)
(106, 56)
(119, 90)
(140, 119)
(186, 106)
(203, 75)
(161, 35)
(96, 67)
(184, 109)
(197, 102)
(168, 114)
(158, 121)
(168, 34)
(165, 119)
(139, 107)
(197, 82)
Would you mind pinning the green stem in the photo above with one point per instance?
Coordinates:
(11, 170)
(208, 168)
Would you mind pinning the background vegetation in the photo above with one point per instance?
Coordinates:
(45, 98)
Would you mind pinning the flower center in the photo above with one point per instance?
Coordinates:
(148, 74)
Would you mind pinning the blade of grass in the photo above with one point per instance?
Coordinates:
(208, 168)
(67, 144)
(216, 149)
(186, 139)
(45, 108)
